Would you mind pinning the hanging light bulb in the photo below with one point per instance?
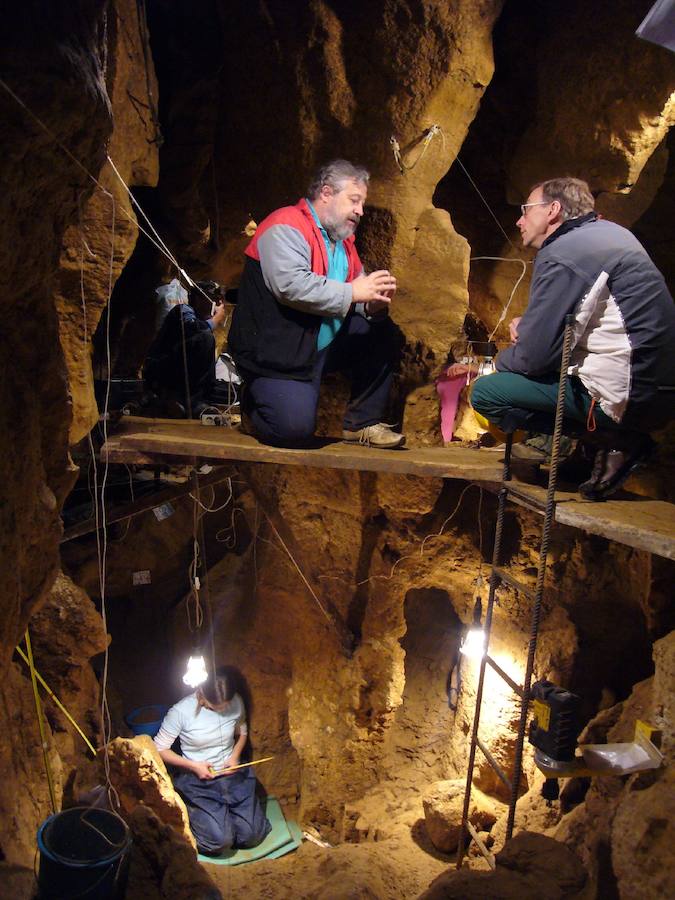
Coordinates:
(196, 671)
(473, 645)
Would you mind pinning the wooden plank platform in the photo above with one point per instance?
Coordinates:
(628, 519)
(156, 438)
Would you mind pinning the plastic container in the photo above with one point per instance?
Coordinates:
(84, 853)
(146, 719)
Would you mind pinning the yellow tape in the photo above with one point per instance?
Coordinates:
(41, 724)
(56, 700)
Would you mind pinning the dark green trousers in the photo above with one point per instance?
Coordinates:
(515, 402)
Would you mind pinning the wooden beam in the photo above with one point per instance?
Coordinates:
(143, 504)
(634, 521)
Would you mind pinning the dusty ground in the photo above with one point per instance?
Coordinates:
(398, 868)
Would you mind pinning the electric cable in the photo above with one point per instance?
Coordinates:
(99, 508)
(515, 287)
(487, 205)
(158, 243)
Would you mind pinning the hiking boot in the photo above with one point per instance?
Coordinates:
(378, 435)
(612, 467)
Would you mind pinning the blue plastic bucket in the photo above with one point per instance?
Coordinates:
(146, 719)
(84, 853)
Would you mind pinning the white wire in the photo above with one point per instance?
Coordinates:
(489, 208)
(213, 509)
(416, 555)
(158, 243)
(99, 510)
(515, 287)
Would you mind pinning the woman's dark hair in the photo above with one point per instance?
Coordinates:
(217, 688)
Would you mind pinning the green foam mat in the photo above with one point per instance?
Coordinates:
(293, 844)
(284, 837)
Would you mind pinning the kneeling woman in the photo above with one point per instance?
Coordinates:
(224, 810)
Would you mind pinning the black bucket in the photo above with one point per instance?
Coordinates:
(84, 853)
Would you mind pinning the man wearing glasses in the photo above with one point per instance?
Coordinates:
(623, 348)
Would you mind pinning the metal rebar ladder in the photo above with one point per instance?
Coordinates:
(497, 577)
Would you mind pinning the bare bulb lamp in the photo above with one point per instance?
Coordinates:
(196, 671)
(473, 645)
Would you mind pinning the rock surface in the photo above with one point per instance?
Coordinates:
(97, 246)
(140, 778)
(619, 831)
(163, 864)
(530, 866)
(443, 803)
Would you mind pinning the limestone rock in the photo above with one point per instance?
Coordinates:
(530, 866)
(66, 633)
(97, 247)
(630, 123)
(25, 800)
(545, 860)
(643, 838)
(140, 778)
(443, 803)
(664, 692)
(163, 862)
(620, 832)
(532, 812)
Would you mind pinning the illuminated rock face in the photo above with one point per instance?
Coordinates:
(254, 98)
(140, 778)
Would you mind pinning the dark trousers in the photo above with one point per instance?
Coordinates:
(224, 812)
(181, 370)
(514, 402)
(283, 411)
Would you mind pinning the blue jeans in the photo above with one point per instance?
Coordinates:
(224, 812)
(283, 411)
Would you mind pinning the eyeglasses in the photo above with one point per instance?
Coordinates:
(523, 206)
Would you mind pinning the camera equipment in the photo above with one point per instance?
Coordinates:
(553, 729)
(204, 306)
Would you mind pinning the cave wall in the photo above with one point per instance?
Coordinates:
(251, 97)
(78, 68)
(65, 48)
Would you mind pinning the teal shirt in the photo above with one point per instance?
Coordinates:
(338, 269)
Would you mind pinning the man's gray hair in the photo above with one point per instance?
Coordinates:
(573, 195)
(335, 174)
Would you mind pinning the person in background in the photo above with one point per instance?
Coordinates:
(622, 372)
(180, 367)
(223, 809)
(305, 308)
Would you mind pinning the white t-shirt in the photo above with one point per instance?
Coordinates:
(205, 735)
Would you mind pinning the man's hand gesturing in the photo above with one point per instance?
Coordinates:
(378, 285)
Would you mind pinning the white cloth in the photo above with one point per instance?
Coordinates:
(601, 353)
(205, 735)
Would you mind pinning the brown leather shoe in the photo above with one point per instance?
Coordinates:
(612, 467)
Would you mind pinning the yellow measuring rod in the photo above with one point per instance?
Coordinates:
(241, 766)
